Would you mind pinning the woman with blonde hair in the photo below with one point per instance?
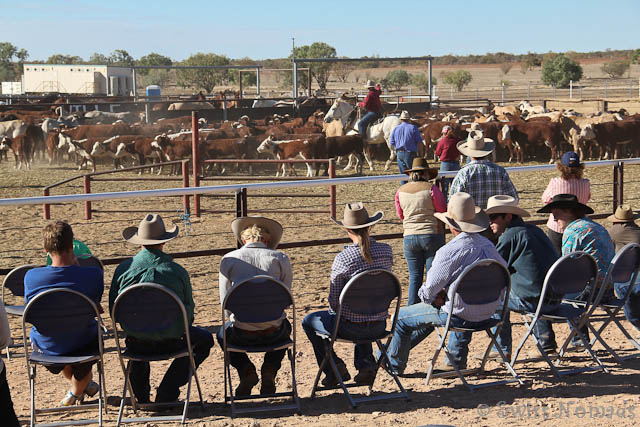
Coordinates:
(364, 254)
(570, 181)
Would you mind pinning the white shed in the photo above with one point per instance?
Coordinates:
(77, 78)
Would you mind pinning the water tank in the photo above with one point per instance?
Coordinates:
(154, 90)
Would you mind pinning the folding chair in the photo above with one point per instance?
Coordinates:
(259, 299)
(90, 261)
(150, 307)
(624, 268)
(480, 283)
(14, 281)
(571, 273)
(368, 292)
(55, 312)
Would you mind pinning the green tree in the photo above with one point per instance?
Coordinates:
(249, 77)
(59, 58)
(635, 56)
(396, 79)
(203, 78)
(459, 79)
(615, 69)
(422, 82)
(320, 71)
(11, 60)
(558, 71)
(121, 58)
(98, 58)
(153, 59)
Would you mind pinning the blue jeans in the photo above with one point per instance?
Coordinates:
(542, 330)
(405, 161)
(447, 166)
(178, 373)
(419, 250)
(415, 323)
(632, 306)
(368, 118)
(325, 322)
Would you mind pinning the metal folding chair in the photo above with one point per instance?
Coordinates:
(369, 292)
(90, 261)
(571, 273)
(480, 283)
(259, 299)
(150, 307)
(14, 281)
(624, 268)
(55, 312)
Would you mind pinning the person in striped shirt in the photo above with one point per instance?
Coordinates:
(570, 181)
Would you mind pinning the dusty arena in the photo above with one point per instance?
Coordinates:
(591, 398)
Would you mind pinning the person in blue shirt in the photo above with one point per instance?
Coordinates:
(64, 272)
(405, 139)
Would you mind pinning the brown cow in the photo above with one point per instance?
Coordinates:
(305, 148)
(611, 135)
(520, 134)
(22, 149)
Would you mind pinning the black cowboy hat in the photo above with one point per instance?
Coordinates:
(565, 201)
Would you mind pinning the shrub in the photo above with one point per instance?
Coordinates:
(558, 70)
(615, 69)
(459, 79)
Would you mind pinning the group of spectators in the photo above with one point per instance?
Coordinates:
(481, 212)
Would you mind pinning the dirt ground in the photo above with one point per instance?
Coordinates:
(591, 398)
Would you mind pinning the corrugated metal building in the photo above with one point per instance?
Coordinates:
(77, 78)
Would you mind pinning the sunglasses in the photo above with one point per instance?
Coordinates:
(495, 216)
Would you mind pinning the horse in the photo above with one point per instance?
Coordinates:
(378, 133)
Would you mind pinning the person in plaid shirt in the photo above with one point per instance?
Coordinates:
(364, 254)
(481, 177)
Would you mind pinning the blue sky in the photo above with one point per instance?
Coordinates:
(263, 29)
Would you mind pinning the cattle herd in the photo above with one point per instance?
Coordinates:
(125, 139)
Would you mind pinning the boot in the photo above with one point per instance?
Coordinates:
(268, 378)
(248, 379)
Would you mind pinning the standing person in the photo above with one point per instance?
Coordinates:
(416, 204)
(570, 181)
(364, 254)
(372, 105)
(7, 413)
(405, 139)
(257, 256)
(64, 272)
(151, 264)
(447, 152)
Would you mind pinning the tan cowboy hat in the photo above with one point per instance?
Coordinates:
(623, 213)
(405, 115)
(420, 164)
(273, 227)
(370, 83)
(476, 145)
(504, 204)
(356, 216)
(474, 126)
(463, 215)
(151, 231)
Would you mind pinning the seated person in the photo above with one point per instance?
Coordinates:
(80, 250)
(64, 272)
(364, 254)
(151, 264)
(466, 222)
(529, 254)
(259, 237)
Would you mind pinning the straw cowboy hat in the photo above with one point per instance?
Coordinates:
(504, 204)
(463, 215)
(150, 231)
(420, 164)
(272, 227)
(405, 115)
(476, 145)
(565, 201)
(370, 83)
(356, 216)
(623, 213)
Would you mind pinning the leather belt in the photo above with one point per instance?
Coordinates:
(267, 331)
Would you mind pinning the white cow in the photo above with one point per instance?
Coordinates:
(529, 108)
(12, 128)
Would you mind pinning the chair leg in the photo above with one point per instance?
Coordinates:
(186, 400)
(100, 394)
(124, 395)
(294, 387)
(598, 337)
(432, 364)
(385, 359)
(315, 383)
(334, 367)
(231, 395)
(32, 386)
(195, 374)
(588, 347)
(502, 355)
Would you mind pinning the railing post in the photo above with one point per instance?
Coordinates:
(46, 208)
(87, 190)
(195, 155)
(185, 184)
(245, 204)
(619, 191)
(332, 189)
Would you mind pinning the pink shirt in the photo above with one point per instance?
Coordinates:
(437, 198)
(581, 188)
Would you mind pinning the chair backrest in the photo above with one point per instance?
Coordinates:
(57, 311)
(14, 280)
(148, 308)
(90, 261)
(371, 291)
(482, 282)
(258, 299)
(624, 264)
(571, 273)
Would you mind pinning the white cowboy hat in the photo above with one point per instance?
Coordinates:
(463, 215)
(405, 115)
(274, 228)
(370, 83)
(476, 145)
(504, 204)
(150, 231)
(356, 216)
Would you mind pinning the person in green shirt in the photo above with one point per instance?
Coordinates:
(151, 264)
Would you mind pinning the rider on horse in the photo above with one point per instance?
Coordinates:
(373, 106)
